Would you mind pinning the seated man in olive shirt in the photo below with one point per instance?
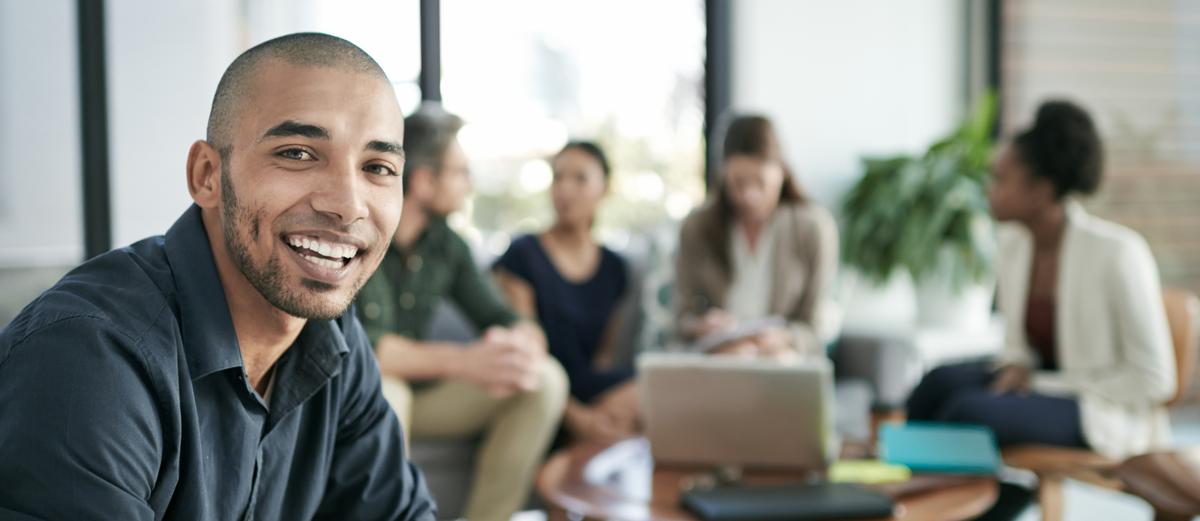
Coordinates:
(504, 385)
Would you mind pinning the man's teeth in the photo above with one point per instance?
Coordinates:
(328, 249)
(325, 263)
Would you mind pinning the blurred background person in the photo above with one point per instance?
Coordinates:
(1087, 358)
(574, 286)
(757, 248)
(502, 386)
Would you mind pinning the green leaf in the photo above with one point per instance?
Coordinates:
(905, 211)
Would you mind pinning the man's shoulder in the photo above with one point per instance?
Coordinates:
(122, 293)
(448, 243)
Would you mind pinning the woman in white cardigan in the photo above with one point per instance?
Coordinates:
(1087, 359)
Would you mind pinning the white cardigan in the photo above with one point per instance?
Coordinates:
(1114, 345)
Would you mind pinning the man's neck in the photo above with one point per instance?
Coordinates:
(264, 332)
(413, 221)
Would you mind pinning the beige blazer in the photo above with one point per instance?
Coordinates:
(804, 266)
(1114, 346)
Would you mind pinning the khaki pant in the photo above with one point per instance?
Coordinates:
(516, 432)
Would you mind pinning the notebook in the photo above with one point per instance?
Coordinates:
(799, 502)
(744, 330)
(940, 447)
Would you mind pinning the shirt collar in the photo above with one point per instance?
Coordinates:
(323, 341)
(1075, 212)
(209, 340)
(313, 359)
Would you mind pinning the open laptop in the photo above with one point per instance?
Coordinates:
(721, 410)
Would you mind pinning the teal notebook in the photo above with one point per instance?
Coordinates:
(940, 447)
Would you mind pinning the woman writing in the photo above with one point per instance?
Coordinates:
(757, 249)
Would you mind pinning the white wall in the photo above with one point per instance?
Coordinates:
(165, 59)
(841, 79)
(40, 186)
(849, 78)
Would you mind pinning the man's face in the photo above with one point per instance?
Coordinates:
(311, 191)
(451, 183)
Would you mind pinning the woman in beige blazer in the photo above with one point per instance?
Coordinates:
(758, 248)
(1087, 359)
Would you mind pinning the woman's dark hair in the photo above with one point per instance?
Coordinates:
(754, 135)
(592, 149)
(1064, 148)
(746, 135)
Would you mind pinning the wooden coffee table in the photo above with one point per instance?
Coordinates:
(613, 482)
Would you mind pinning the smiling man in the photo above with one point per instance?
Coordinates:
(217, 372)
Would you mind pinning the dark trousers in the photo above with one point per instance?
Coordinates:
(960, 394)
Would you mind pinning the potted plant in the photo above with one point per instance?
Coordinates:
(928, 216)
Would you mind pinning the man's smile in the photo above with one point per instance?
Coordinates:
(324, 257)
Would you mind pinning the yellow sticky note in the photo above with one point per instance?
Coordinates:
(867, 471)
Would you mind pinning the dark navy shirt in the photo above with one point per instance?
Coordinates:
(123, 396)
(574, 315)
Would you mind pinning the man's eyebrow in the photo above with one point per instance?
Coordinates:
(296, 128)
(387, 147)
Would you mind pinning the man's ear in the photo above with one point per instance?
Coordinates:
(204, 174)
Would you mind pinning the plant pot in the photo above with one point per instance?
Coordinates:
(877, 308)
(942, 305)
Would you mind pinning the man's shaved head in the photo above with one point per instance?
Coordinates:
(299, 49)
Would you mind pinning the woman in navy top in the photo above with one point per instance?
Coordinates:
(574, 286)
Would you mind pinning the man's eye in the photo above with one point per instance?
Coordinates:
(381, 170)
(298, 154)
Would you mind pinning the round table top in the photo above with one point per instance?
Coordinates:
(621, 482)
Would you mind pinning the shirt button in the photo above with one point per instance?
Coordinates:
(407, 300)
(371, 310)
(415, 263)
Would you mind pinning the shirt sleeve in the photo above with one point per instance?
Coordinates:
(689, 301)
(81, 437)
(806, 322)
(475, 295)
(371, 477)
(620, 276)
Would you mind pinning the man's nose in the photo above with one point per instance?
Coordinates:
(340, 195)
